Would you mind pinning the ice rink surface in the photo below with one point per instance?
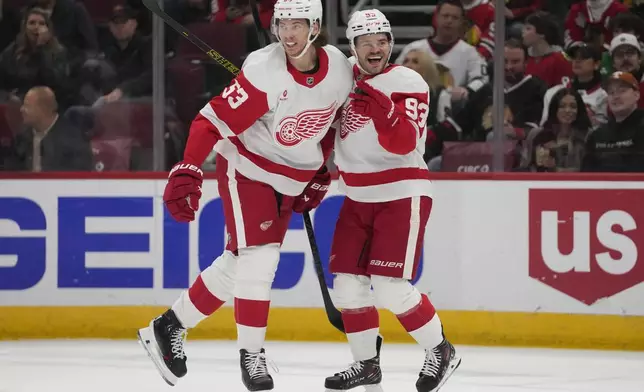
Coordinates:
(123, 366)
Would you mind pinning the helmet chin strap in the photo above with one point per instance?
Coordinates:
(306, 47)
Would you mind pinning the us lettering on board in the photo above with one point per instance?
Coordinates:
(587, 243)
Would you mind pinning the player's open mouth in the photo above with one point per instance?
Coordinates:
(374, 60)
(291, 44)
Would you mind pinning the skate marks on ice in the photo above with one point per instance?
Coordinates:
(106, 366)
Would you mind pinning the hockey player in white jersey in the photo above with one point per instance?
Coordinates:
(270, 130)
(379, 234)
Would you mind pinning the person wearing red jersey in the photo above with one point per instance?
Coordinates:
(480, 13)
(269, 128)
(545, 60)
(588, 16)
(379, 233)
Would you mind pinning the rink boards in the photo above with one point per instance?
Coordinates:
(508, 260)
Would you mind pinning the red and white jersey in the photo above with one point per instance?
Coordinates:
(368, 171)
(586, 15)
(272, 119)
(481, 14)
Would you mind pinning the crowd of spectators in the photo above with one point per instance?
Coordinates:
(571, 86)
(76, 82)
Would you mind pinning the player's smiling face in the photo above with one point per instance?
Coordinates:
(372, 52)
(294, 34)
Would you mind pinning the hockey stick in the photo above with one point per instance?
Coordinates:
(261, 33)
(153, 6)
(332, 313)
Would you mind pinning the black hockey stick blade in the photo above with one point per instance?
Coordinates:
(153, 6)
(334, 315)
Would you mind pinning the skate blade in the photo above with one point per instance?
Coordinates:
(367, 388)
(453, 365)
(149, 343)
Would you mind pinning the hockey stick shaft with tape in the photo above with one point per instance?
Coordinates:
(153, 6)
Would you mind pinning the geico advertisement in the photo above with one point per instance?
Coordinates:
(75, 242)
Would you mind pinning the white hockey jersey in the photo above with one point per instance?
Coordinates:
(368, 171)
(467, 67)
(272, 118)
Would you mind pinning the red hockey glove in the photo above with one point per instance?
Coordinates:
(183, 191)
(314, 192)
(375, 104)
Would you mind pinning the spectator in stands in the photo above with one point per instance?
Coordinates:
(238, 11)
(590, 15)
(624, 23)
(523, 97)
(545, 59)
(49, 143)
(440, 100)
(125, 72)
(9, 24)
(626, 52)
(130, 54)
(559, 144)
(523, 93)
(34, 58)
(516, 11)
(618, 146)
(74, 27)
(588, 82)
(465, 64)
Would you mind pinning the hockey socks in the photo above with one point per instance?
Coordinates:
(213, 288)
(252, 318)
(423, 324)
(362, 326)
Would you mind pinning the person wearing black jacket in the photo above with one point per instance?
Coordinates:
(618, 146)
(49, 143)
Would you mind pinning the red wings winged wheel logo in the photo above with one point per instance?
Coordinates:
(293, 130)
(351, 121)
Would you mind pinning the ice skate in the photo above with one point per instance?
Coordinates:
(360, 374)
(440, 363)
(163, 339)
(254, 371)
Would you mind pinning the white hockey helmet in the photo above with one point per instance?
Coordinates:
(310, 10)
(368, 22)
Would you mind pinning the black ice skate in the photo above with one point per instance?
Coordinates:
(440, 363)
(163, 340)
(361, 373)
(254, 371)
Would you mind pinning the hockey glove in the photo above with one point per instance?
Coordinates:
(373, 103)
(183, 191)
(314, 192)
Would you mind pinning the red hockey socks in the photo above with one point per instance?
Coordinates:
(252, 318)
(361, 326)
(423, 324)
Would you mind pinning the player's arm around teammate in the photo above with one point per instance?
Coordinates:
(379, 234)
